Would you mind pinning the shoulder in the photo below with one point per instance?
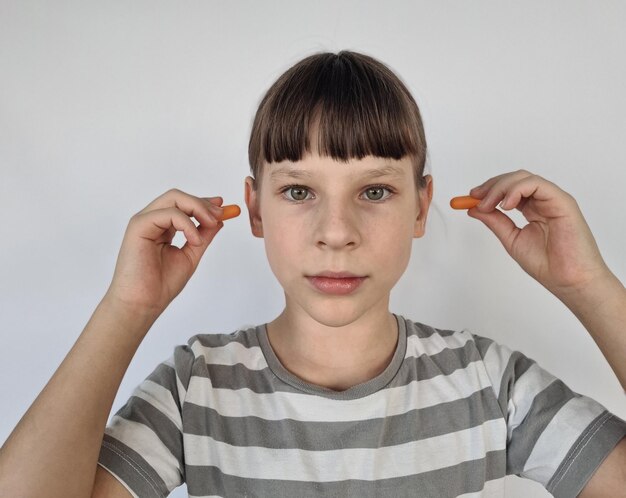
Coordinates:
(432, 340)
(202, 351)
(426, 339)
(202, 344)
(463, 351)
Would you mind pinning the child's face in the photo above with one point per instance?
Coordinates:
(338, 219)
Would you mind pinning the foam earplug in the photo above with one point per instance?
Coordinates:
(230, 211)
(464, 202)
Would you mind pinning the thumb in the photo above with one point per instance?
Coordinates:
(499, 223)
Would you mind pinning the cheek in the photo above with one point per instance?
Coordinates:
(396, 243)
(283, 243)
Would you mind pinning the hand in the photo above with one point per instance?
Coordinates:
(556, 247)
(150, 271)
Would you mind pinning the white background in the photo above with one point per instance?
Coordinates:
(106, 105)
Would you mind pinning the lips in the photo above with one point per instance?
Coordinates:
(337, 283)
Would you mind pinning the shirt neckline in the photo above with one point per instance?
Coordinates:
(359, 391)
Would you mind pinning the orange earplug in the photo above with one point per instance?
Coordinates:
(464, 202)
(230, 211)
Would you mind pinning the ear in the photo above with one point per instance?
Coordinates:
(424, 198)
(254, 209)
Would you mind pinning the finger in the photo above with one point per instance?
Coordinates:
(542, 192)
(167, 237)
(154, 224)
(207, 234)
(497, 190)
(482, 190)
(500, 224)
(198, 207)
(216, 201)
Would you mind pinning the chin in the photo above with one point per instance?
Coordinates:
(337, 314)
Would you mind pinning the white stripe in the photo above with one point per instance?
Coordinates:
(559, 436)
(530, 384)
(492, 489)
(369, 464)
(496, 360)
(434, 344)
(144, 441)
(308, 408)
(232, 353)
(161, 398)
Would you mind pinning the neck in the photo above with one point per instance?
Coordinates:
(336, 358)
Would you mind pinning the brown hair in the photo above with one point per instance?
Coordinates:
(361, 107)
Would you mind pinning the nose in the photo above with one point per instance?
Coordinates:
(337, 227)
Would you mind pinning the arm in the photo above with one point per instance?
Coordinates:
(601, 308)
(558, 250)
(59, 438)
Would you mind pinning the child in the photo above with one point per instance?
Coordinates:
(336, 396)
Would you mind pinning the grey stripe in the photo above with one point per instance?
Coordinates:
(165, 376)
(235, 377)
(245, 337)
(451, 481)
(185, 364)
(139, 410)
(414, 425)
(424, 331)
(482, 344)
(586, 455)
(141, 478)
(545, 406)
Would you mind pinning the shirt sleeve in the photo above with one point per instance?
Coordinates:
(143, 442)
(554, 436)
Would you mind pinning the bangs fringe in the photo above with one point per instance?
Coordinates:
(358, 105)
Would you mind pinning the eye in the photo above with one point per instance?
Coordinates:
(378, 191)
(298, 191)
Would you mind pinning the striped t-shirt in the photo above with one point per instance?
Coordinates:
(451, 415)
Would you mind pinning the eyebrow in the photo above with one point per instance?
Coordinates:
(387, 170)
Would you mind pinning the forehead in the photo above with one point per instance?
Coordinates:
(313, 167)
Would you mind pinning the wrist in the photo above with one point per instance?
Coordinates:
(130, 314)
(597, 292)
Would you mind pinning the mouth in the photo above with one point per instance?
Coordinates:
(336, 283)
(336, 274)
